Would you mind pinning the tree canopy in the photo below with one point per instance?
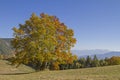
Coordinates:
(43, 39)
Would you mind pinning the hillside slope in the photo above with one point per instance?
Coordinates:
(6, 68)
(99, 73)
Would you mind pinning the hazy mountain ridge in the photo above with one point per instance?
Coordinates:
(5, 46)
(89, 52)
(101, 54)
(108, 55)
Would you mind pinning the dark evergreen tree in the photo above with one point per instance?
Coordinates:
(82, 62)
(103, 62)
(95, 62)
(88, 61)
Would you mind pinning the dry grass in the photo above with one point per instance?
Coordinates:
(100, 73)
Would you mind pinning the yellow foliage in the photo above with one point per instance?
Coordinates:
(43, 38)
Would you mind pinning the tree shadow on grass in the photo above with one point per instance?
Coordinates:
(16, 73)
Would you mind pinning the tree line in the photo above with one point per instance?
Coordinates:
(95, 62)
(87, 62)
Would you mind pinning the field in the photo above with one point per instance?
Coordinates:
(8, 72)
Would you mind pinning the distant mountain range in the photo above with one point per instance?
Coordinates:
(101, 54)
(5, 46)
(108, 55)
(89, 52)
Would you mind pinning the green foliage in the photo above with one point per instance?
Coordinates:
(91, 62)
(103, 62)
(43, 39)
(82, 61)
(88, 61)
(95, 62)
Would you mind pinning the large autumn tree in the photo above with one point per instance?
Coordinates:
(43, 39)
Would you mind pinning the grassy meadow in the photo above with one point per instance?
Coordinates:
(8, 72)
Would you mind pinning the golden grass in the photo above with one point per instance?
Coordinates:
(99, 73)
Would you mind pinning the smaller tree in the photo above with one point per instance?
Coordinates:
(88, 61)
(115, 60)
(82, 61)
(103, 62)
(95, 62)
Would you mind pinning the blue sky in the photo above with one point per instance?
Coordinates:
(96, 23)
